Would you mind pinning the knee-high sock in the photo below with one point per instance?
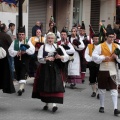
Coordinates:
(82, 76)
(114, 94)
(94, 88)
(54, 104)
(21, 86)
(102, 96)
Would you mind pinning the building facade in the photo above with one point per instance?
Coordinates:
(70, 12)
(9, 13)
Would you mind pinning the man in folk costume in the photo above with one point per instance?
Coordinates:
(104, 54)
(37, 41)
(86, 41)
(93, 67)
(68, 48)
(20, 49)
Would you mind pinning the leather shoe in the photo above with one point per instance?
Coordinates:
(54, 109)
(116, 112)
(93, 94)
(45, 107)
(101, 110)
(19, 92)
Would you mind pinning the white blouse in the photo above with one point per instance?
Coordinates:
(51, 49)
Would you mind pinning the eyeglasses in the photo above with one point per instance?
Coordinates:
(21, 34)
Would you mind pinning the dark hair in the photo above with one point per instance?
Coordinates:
(2, 27)
(11, 24)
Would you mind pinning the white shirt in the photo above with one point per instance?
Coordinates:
(13, 52)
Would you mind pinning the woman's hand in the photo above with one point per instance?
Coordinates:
(50, 58)
(59, 57)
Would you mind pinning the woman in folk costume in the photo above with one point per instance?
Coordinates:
(21, 50)
(68, 48)
(6, 82)
(37, 41)
(105, 55)
(86, 41)
(93, 67)
(48, 84)
(74, 67)
(53, 28)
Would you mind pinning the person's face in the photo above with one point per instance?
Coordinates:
(51, 26)
(50, 40)
(110, 38)
(21, 36)
(78, 29)
(63, 36)
(74, 32)
(82, 31)
(38, 33)
(38, 23)
(12, 28)
(96, 40)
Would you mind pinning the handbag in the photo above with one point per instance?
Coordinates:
(2, 53)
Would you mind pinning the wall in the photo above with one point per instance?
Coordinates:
(86, 14)
(7, 17)
(107, 11)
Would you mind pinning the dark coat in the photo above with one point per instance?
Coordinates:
(6, 82)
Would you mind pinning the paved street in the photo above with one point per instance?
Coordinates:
(78, 105)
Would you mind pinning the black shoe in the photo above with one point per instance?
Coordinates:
(93, 94)
(19, 92)
(45, 107)
(83, 81)
(23, 90)
(72, 85)
(98, 96)
(101, 110)
(54, 109)
(116, 112)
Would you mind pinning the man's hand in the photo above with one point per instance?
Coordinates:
(23, 52)
(114, 56)
(18, 53)
(107, 58)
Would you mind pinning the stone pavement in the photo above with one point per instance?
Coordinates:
(78, 105)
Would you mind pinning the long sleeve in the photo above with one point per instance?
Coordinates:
(31, 50)
(81, 46)
(65, 56)
(11, 50)
(118, 59)
(71, 50)
(40, 55)
(96, 55)
(87, 56)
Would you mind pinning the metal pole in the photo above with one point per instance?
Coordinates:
(20, 15)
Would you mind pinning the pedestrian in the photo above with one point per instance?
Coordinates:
(93, 67)
(21, 50)
(6, 83)
(10, 32)
(48, 83)
(37, 41)
(37, 26)
(74, 67)
(104, 54)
